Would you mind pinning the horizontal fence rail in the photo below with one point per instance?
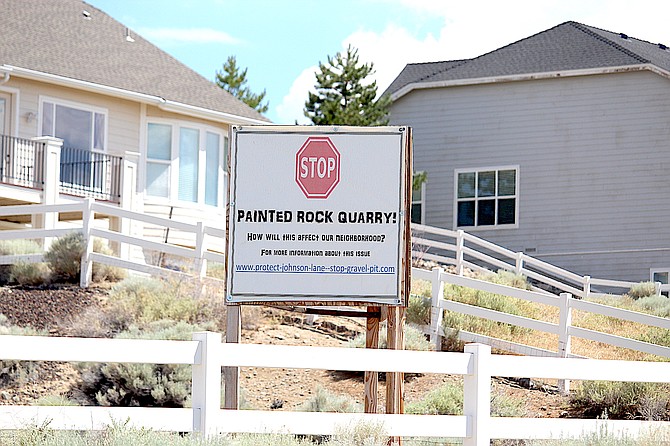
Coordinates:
(207, 355)
(460, 249)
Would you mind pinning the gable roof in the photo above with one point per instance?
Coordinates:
(570, 46)
(72, 41)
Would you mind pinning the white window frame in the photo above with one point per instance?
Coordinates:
(14, 94)
(421, 202)
(79, 106)
(173, 162)
(665, 287)
(476, 199)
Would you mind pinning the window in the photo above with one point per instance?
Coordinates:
(486, 197)
(418, 200)
(661, 275)
(78, 125)
(185, 162)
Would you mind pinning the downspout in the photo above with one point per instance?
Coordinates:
(5, 78)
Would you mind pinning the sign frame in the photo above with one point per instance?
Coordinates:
(243, 196)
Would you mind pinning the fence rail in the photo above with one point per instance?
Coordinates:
(463, 250)
(207, 355)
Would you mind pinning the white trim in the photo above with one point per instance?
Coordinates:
(516, 195)
(653, 271)
(15, 108)
(164, 104)
(78, 106)
(421, 202)
(527, 77)
(173, 162)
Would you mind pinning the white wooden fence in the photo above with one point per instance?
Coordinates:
(207, 355)
(564, 328)
(463, 250)
(197, 255)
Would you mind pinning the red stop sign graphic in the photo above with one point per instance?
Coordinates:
(317, 167)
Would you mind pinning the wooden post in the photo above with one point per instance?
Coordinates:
(371, 377)
(232, 374)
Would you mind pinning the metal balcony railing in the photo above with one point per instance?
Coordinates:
(90, 174)
(22, 162)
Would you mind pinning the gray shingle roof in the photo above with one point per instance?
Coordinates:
(55, 37)
(568, 46)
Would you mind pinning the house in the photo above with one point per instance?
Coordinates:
(134, 126)
(553, 146)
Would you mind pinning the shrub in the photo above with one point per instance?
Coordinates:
(54, 400)
(28, 274)
(17, 373)
(418, 310)
(642, 289)
(155, 385)
(503, 277)
(656, 305)
(64, 259)
(326, 401)
(414, 339)
(15, 247)
(448, 400)
(621, 400)
(144, 300)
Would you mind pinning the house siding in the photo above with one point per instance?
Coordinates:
(590, 152)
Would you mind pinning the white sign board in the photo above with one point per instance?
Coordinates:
(318, 214)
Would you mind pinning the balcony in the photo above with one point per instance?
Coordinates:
(82, 173)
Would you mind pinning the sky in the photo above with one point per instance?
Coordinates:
(282, 42)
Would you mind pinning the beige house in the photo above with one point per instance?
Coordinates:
(88, 108)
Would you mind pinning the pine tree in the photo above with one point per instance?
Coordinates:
(342, 98)
(231, 79)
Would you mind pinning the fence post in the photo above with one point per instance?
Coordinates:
(206, 386)
(51, 177)
(128, 199)
(477, 396)
(657, 288)
(519, 263)
(565, 320)
(587, 286)
(200, 261)
(86, 270)
(437, 293)
(459, 252)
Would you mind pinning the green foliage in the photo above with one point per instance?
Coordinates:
(24, 271)
(418, 310)
(622, 400)
(656, 305)
(418, 179)
(64, 259)
(28, 274)
(326, 401)
(231, 79)
(54, 400)
(448, 400)
(342, 97)
(152, 385)
(414, 339)
(144, 300)
(642, 289)
(17, 373)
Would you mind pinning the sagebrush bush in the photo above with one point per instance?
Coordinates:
(15, 247)
(622, 400)
(64, 259)
(642, 289)
(28, 274)
(448, 400)
(17, 373)
(153, 385)
(414, 339)
(503, 277)
(144, 300)
(326, 401)
(418, 310)
(656, 305)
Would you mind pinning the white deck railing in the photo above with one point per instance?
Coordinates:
(207, 355)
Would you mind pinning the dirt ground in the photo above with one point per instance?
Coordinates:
(54, 309)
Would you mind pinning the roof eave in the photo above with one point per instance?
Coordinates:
(526, 77)
(167, 105)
